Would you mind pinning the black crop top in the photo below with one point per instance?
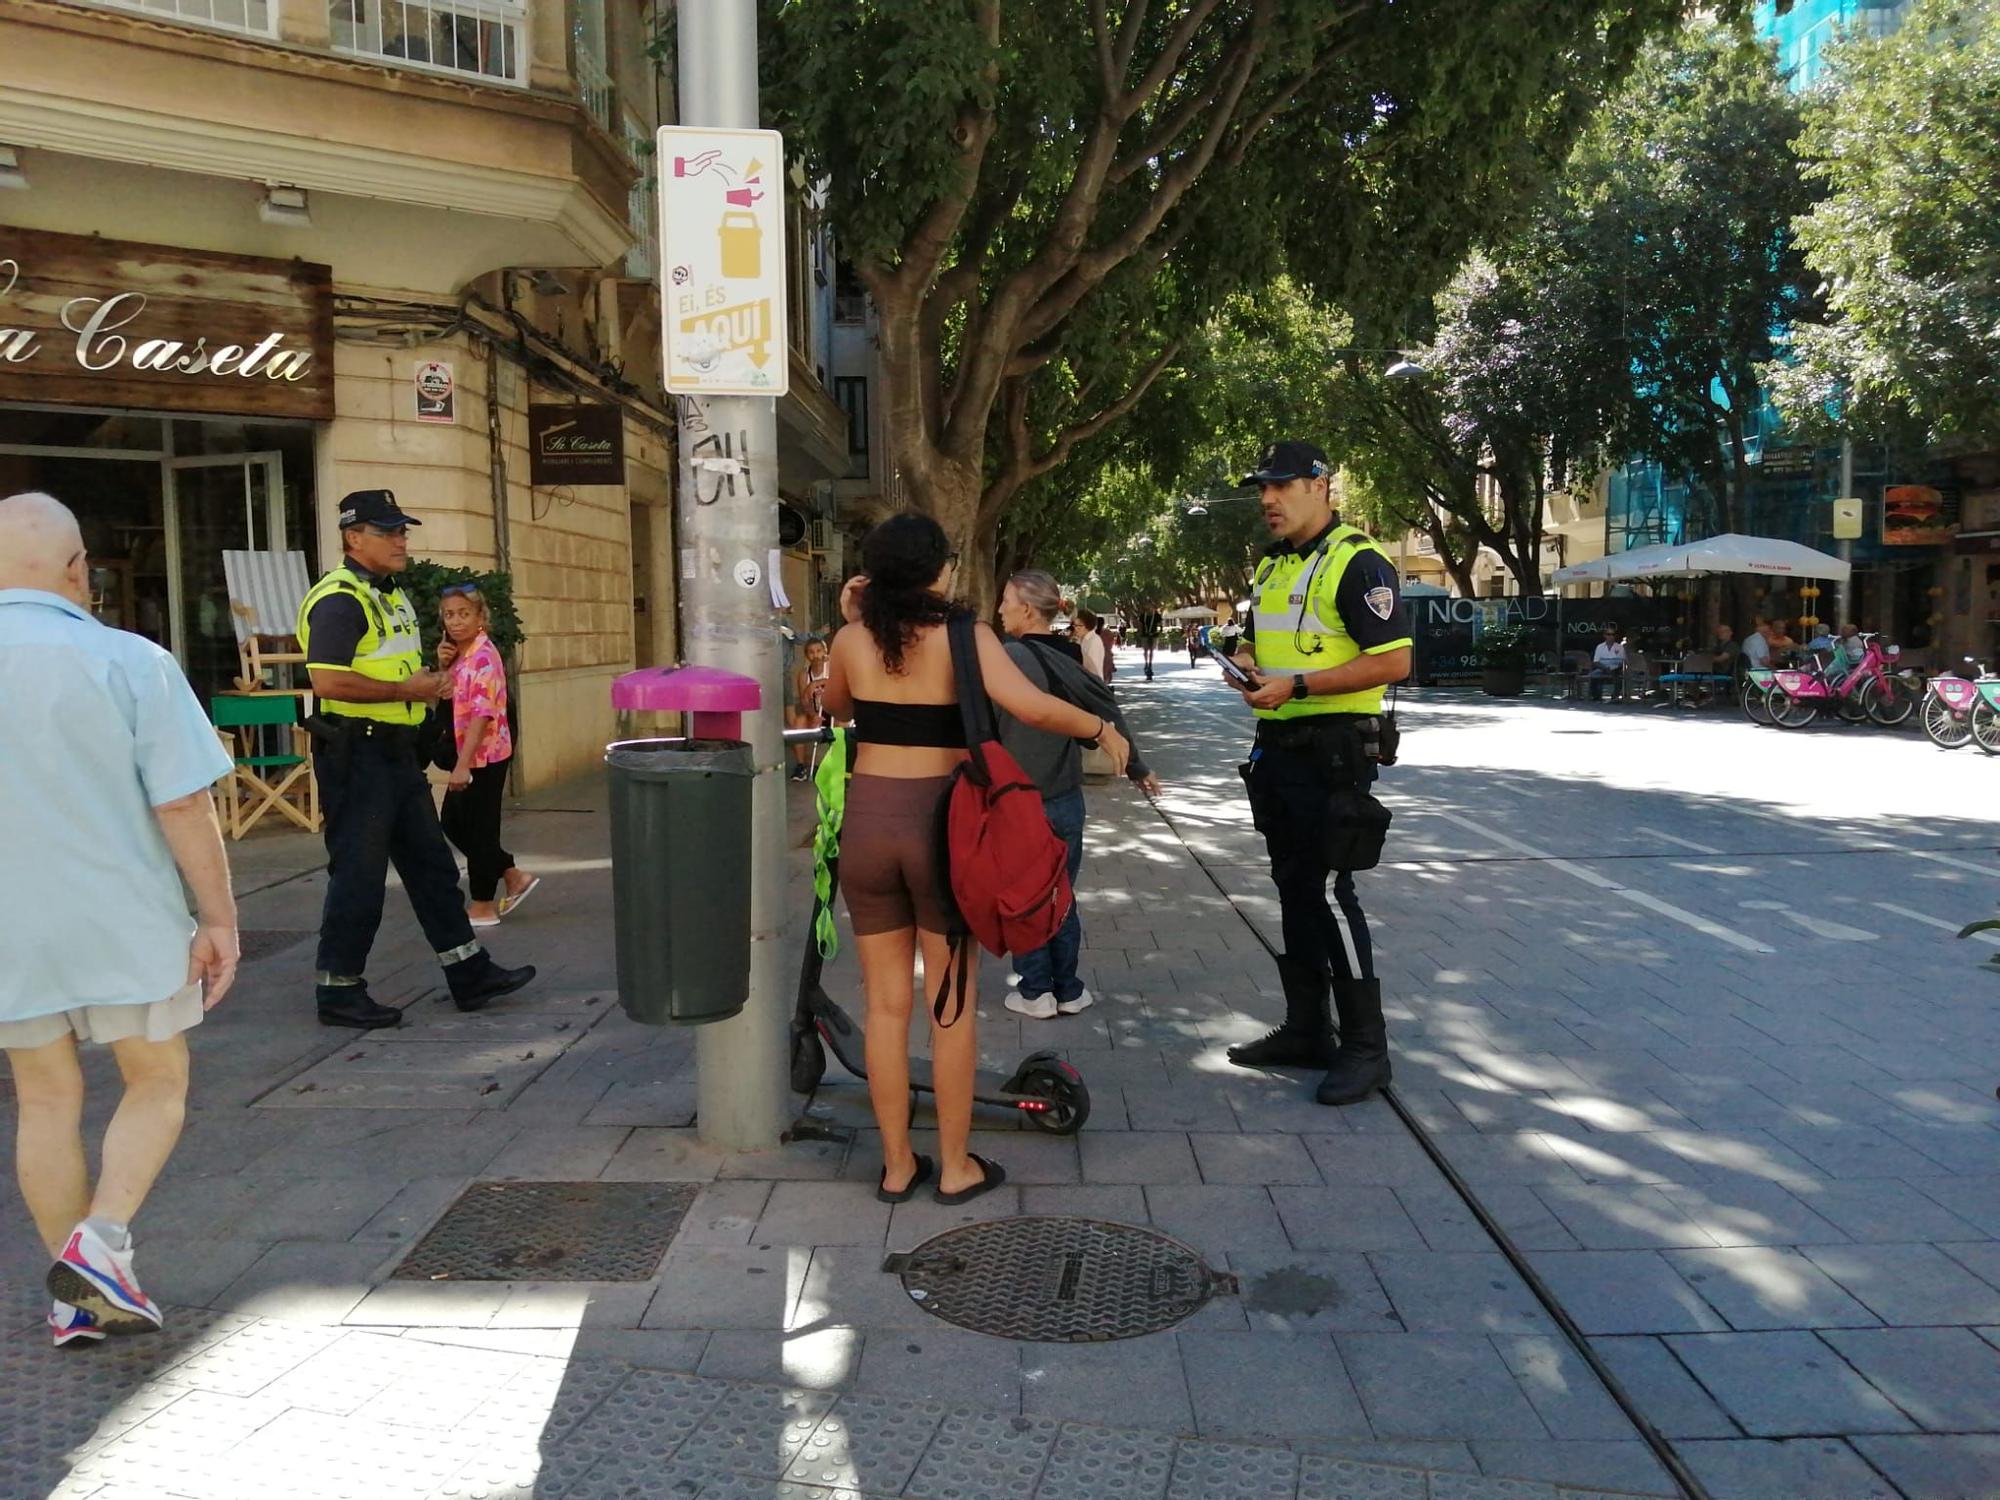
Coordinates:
(936, 725)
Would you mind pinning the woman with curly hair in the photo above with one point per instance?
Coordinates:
(891, 672)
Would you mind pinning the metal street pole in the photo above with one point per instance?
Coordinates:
(1843, 596)
(741, 1076)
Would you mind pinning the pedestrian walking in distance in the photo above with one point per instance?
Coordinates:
(1150, 626)
(105, 769)
(891, 673)
(1327, 632)
(1049, 985)
(359, 637)
(483, 748)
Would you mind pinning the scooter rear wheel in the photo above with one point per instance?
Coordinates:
(1069, 1100)
(808, 1061)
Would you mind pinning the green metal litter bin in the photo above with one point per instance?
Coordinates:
(680, 878)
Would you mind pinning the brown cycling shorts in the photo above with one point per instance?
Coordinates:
(890, 865)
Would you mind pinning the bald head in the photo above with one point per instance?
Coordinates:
(41, 547)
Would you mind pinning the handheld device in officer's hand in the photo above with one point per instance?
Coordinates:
(1236, 677)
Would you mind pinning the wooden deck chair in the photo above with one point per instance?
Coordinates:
(265, 592)
(258, 783)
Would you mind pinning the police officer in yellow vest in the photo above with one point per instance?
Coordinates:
(362, 649)
(1327, 634)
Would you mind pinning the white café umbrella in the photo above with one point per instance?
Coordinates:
(1732, 553)
(1192, 612)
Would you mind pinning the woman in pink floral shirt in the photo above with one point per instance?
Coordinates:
(471, 815)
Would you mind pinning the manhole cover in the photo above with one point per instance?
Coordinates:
(263, 942)
(1058, 1281)
(551, 1231)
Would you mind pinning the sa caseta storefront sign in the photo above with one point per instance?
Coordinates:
(94, 322)
(576, 444)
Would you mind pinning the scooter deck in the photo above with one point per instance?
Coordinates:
(989, 1088)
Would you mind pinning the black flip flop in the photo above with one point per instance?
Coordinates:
(917, 1179)
(995, 1175)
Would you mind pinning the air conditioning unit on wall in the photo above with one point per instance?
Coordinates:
(821, 537)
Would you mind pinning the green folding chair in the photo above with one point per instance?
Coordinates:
(258, 783)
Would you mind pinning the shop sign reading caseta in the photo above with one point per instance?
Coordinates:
(576, 444)
(94, 322)
(722, 233)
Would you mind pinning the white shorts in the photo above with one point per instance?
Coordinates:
(157, 1021)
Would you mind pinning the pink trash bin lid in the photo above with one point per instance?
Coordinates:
(704, 690)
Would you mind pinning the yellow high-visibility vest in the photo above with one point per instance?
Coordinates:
(1298, 626)
(391, 650)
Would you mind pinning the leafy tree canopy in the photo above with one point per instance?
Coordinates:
(1004, 171)
(1905, 140)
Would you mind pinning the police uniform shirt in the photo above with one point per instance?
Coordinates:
(1369, 600)
(338, 621)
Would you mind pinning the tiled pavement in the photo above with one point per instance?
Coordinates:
(1754, 1178)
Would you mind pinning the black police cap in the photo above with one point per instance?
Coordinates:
(1288, 459)
(374, 508)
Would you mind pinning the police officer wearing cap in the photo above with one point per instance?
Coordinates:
(1327, 634)
(359, 637)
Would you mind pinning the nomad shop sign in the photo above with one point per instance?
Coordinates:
(93, 322)
(576, 445)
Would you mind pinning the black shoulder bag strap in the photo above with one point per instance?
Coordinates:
(975, 709)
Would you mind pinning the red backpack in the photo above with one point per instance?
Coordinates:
(1009, 869)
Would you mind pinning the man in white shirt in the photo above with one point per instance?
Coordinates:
(1756, 650)
(104, 810)
(1607, 663)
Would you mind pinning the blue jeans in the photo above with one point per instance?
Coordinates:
(1051, 970)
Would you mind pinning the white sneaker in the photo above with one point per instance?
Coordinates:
(91, 1275)
(68, 1324)
(1041, 1008)
(1083, 1001)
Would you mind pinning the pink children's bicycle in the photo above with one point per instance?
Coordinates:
(1868, 689)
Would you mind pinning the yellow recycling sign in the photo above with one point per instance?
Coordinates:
(722, 243)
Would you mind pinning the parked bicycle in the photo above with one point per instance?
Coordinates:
(1756, 694)
(1867, 689)
(1951, 707)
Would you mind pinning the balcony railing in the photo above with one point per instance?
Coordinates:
(484, 38)
(252, 17)
(593, 84)
(643, 209)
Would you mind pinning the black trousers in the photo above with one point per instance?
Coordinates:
(1290, 786)
(471, 820)
(378, 813)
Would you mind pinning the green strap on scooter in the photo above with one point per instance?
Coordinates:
(830, 780)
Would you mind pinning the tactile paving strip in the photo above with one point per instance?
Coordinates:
(1095, 1463)
(1324, 1478)
(1232, 1471)
(984, 1458)
(551, 1231)
(1058, 1280)
(868, 1443)
(755, 1430)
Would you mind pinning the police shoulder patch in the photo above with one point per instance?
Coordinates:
(1381, 602)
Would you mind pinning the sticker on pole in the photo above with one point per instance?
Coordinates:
(722, 236)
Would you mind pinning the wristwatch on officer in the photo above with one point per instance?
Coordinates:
(1298, 686)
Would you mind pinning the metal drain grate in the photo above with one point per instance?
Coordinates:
(1058, 1280)
(551, 1231)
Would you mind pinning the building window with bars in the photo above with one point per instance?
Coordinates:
(485, 38)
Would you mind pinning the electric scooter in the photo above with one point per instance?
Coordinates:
(1042, 1087)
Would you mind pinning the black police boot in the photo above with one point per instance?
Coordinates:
(1302, 1041)
(478, 979)
(1361, 1066)
(350, 1005)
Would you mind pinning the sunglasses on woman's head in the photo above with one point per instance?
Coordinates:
(457, 588)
